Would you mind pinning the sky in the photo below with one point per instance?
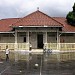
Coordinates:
(21, 8)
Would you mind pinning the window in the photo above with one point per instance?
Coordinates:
(24, 39)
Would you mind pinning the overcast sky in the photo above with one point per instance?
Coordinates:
(21, 8)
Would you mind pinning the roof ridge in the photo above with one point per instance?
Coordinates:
(56, 21)
(59, 18)
(9, 18)
(35, 12)
(17, 21)
(50, 17)
(24, 17)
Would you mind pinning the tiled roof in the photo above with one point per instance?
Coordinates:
(66, 26)
(37, 18)
(5, 24)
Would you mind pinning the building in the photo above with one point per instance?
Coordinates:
(38, 29)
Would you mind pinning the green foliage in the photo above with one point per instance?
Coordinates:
(71, 16)
(74, 8)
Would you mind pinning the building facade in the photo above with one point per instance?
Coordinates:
(38, 29)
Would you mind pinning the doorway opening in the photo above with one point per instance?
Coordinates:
(40, 41)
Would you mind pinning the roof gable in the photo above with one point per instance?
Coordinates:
(37, 18)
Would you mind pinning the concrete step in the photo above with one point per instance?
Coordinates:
(37, 50)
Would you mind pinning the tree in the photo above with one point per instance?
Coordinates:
(71, 16)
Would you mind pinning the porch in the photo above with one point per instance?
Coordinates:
(25, 46)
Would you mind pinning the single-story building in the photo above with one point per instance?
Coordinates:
(40, 30)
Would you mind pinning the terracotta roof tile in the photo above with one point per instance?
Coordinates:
(37, 18)
(5, 24)
(66, 27)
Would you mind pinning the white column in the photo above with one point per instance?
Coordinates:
(27, 39)
(58, 40)
(16, 47)
(46, 39)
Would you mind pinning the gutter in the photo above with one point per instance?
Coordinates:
(35, 26)
(68, 32)
(6, 32)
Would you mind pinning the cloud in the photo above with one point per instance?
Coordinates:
(19, 8)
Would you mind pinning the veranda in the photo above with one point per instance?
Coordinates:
(25, 46)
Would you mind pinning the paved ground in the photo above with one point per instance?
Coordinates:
(23, 63)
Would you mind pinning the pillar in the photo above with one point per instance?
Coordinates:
(16, 47)
(27, 39)
(46, 40)
(46, 37)
(58, 41)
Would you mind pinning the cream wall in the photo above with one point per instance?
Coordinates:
(68, 39)
(20, 38)
(51, 37)
(7, 38)
(33, 39)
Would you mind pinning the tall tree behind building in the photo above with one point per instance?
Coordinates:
(71, 16)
